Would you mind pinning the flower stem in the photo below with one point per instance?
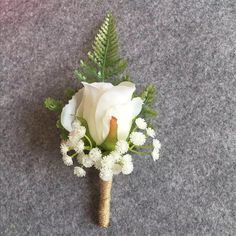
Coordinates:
(74, 155)
(146, 147)
(90, 143)
(140, 153)
(87, 148)
(132, 147)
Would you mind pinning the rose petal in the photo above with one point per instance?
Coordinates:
(92, 94)
(125, 113)
(120, 94)
(68, 111)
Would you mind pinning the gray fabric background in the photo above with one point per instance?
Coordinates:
(188, 50)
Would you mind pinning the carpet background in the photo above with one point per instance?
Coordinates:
(188, 50)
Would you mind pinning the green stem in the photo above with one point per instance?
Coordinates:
(87, 148)
(146, 147)
(90, 143)
(132, 147)
(140, 153)
(74, 155)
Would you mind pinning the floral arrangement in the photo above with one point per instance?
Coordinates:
(103, 124)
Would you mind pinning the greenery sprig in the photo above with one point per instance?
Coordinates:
(104, 60)
(148, 97)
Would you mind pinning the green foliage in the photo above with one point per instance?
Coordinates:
(69, 92)
(53, 105)
(63, 131)
(148, 96)
(104, 60)
(126, 78)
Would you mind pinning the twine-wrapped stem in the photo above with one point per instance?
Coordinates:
(104, 203)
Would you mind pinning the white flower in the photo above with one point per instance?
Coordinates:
(87, 161)
(115, 156)
(107, 161)
(127, 164)
(95, 154)
(80, 172)
(151, 132)
(98, 164)
(73, 138)
(105, 174)
(126, 158)
(122, 146)
(156, 144)
(67, 160)
(141, 123)
(97, 103)
(155, 154)
(64, 148)
(79, 146)
(127, 167)
(81, 131)
(76, 124)
(137, 138)
(117, 168)
(80, 157)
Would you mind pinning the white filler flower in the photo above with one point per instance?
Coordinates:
(122, 146)
(80, 172)
(141, 123)
(106, 174)
(67, 160)
(98, 164)
(151, 132)
(137, 138)
(73, 138)
(127, 164)
(117, 168)
(64, 148)
(79, 146)
(76, 124)
(95, 154)
(87, 161)
(107, 162)
(81, 131)
(155, 154)
(156, 144)
(115, 156)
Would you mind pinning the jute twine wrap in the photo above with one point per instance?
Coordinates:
(104, 204)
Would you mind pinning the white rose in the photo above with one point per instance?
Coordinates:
(97, 103)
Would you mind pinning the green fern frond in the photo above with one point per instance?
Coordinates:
(53, 105)
(63, 132)
(148, 96)
(104, 60)
(70, 92)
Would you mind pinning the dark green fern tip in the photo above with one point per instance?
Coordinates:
(69, 92)
(53, 105)
(104, 60)
(148, 94)
(148, 97)
(63, 132)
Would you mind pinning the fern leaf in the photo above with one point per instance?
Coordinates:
(105, 52)
(53, 105)
(103, 60)
(148, 96)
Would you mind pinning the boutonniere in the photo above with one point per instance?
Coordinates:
(106, 121)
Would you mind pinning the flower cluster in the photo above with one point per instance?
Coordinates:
(80, 146)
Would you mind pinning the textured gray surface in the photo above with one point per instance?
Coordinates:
(187, 48)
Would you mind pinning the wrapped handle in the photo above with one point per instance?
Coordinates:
(104, 203)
